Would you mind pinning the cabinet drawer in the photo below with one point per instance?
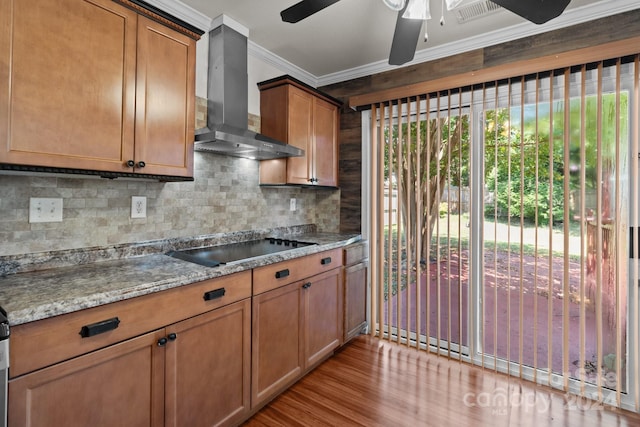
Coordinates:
(355, 253)
(61, 335)
(275, 275)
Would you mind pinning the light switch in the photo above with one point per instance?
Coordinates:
(45, 209)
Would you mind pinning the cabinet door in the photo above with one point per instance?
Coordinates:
(322, 330)
(355, 303)
(300, 134)
(325, 148)
(276, 349)
(67, 83)
(121, 385)
(208, 368)
(165, 100)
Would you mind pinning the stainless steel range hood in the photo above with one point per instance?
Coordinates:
(227, 106)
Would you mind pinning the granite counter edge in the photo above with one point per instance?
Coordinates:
(44, 310)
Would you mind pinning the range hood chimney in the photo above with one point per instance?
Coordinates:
(227, 106)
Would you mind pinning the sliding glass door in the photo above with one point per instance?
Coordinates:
(425, 218)
(502, 216)
(556, 218)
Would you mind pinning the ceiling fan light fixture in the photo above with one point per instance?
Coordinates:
(452, 3)
(417, 9)
(396, 5)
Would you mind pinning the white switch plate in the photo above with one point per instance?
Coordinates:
(138, 207)
(45, 209)
(292, 204)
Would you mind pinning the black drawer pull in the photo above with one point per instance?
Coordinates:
(217, 293)
(162, 342)
(99, 327)
(282, 273)
(325, 261)
(306, 285)
(172, 336)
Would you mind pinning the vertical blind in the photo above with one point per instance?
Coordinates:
(506, 221)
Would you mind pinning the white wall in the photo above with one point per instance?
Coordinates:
(202, 64)
(259, 71)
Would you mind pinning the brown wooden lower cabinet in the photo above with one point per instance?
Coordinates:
(276, 352)
(226, 359)
(322, 326)
(355, 295)
(355, 290)
(208, 368)
(198, 375)
(295, 327)
(121, 385)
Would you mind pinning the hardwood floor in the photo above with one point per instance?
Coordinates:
(375, 383)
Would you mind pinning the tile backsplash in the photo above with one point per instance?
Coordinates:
(224, 197)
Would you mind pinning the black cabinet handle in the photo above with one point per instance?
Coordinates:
(325, 261)
(282, 273)
(99, 327)
(172, 336)
(141, 164)
(162, 342)
(217, 293)
(306, 285)
(131, 163)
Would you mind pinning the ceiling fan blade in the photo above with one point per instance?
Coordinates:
(405, 40)
(536, 11)
(304, 9)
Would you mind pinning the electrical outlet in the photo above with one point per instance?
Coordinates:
(292, 204)
(138, 207)
(45, 209)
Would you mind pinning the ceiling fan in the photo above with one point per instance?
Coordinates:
(411, 14)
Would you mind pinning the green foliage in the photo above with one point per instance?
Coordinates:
(510, 203)
(451, 154)
(516, 166)
(521, 158)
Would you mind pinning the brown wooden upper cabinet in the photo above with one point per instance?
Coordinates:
(297, 114)
(95, 85)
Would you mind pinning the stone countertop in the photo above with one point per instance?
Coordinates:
(37, 295)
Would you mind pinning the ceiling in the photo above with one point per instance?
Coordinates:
(353, 37)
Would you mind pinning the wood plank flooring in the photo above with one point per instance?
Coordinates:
(375, 383)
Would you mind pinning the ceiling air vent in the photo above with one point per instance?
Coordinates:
(475, 10)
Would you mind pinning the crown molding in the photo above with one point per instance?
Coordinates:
(183, 12)
(276, 61)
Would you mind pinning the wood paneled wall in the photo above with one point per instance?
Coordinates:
(617, 27)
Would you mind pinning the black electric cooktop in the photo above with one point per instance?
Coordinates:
(214, 256)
